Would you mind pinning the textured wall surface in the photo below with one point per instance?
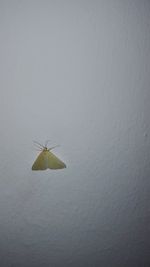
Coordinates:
(77, 73)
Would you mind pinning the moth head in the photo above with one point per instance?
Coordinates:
(45, 148)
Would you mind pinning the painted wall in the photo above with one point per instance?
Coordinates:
(77, 73)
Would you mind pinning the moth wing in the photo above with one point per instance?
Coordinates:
(40, 162)
(54, 162)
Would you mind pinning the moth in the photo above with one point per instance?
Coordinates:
(46, 159)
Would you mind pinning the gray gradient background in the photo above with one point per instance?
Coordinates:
(78, 73)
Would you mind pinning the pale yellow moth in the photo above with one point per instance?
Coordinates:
(46, 159)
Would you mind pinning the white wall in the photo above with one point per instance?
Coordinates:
(77, 73)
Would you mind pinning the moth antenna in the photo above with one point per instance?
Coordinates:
(53, 147)
(37, 146)
(46, 143)
(38, 149)
(37, 143)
